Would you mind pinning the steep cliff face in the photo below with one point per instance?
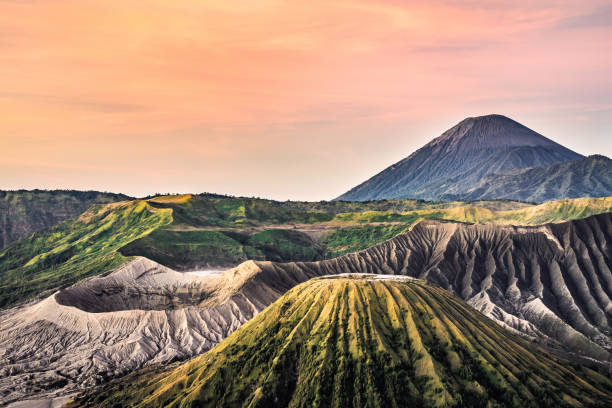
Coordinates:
(365, 341)
(553, 282)
(24, 212)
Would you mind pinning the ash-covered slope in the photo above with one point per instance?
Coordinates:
(365, 341)
(456, 161)
(552, 282)
(588, 177)
(23, 212)
(106, 326)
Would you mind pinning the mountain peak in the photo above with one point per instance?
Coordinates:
(490, 132)
(460, 158)
(492, 117)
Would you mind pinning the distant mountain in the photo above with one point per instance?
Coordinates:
(458, 160)
(365, 341)
(588, 177)
(23, 212)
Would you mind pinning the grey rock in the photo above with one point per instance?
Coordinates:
(551, 283)
(457, 163)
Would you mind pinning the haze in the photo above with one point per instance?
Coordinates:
(278, 99)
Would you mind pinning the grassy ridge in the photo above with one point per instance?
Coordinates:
(198, 249)
(352, 239)
(554, 211)
(349, 227)
(74, 249)
(364, 342)
(23, 212)
(559, 211)
(194, 211)
(187, 231)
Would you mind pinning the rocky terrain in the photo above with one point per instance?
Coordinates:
(551, 283)
(189, 232)
(364, 341)
(588, 177)
(142, 313)
(482, 158)
(74, 250)
(24, 212)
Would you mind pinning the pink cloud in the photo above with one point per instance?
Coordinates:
(212, 80)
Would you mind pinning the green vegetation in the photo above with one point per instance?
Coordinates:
(364, 342)
(195, 211)
(398, 206)
(189, 232)
(24, 211)
(220, 231)
(474, 213)
(558, 211)
(367, 217)
(352, 239)
(203, 248)
(285, 245)
(74, 249)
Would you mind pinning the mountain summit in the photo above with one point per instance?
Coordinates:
(492, 132)
(460, 158)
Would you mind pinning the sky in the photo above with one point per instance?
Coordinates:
(296, 100)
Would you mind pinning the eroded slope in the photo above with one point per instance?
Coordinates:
(106, 326)
(552, 283)
(365, 341)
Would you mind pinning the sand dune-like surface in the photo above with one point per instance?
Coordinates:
(140, 314)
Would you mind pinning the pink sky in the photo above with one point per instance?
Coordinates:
(282, 99)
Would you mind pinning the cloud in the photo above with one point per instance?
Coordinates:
(81, 104)
(600, 17)
(212, 87)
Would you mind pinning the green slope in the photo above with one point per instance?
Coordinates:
(353, 239)
(22, 212)
(364, 341)
(213, 231)
(207, 231)
(476, 213)
(75, 249)
(197, 249)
